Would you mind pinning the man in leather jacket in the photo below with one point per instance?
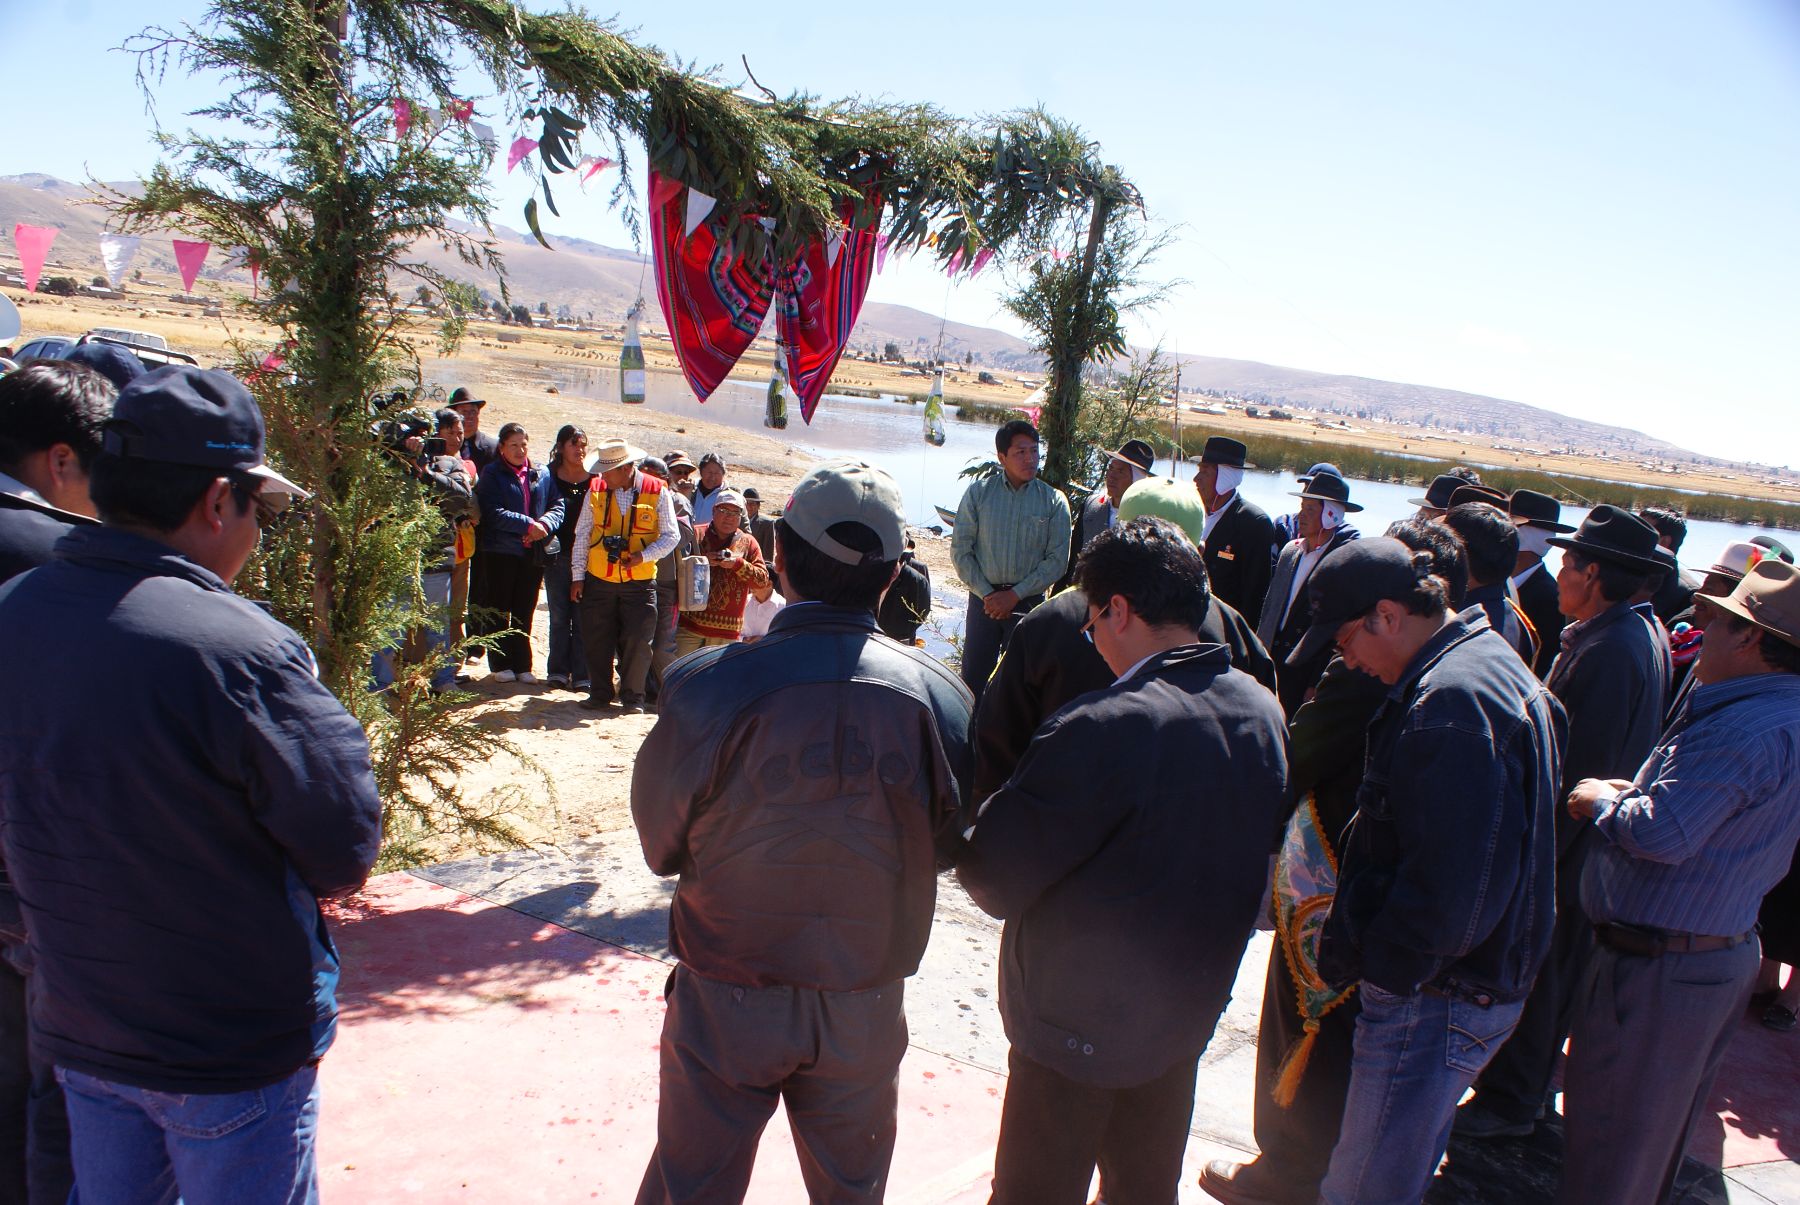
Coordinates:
(802, 787)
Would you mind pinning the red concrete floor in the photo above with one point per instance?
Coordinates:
(487, 1056)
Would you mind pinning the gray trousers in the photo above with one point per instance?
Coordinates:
(662, 647)
(730, 1054)
(1650, 1034)
(617, 618)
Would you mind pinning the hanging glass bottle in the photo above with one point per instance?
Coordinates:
(775, 413)
(934, 412)
(631, 358)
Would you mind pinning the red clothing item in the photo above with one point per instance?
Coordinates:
(723, 618)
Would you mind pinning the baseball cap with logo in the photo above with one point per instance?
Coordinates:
(194, 416)
(848, 491)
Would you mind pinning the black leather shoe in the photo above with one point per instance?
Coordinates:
(1240, 1184)
(592, 704)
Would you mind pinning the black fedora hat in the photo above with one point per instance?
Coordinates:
(1529, 508)
(1222, 449)
(1137, 454)
(1615, 535)
(1476, 493)
(1437, 495)
(1327, 487)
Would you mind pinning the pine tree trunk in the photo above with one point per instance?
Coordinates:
(1064, 404)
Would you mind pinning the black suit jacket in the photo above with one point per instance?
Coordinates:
(1240, 556)
(1537, 598)
(29, 532)
(1047, 663)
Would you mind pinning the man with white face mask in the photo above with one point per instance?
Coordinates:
(1324, 502)
(1240, 538)
(1539, 516)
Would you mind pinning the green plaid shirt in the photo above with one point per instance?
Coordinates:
(1018, 537)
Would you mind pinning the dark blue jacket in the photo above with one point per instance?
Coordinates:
(1447, 872)
(176, 790)
(506, 511)
(1127, 854)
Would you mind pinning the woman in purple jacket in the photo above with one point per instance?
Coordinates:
(516, 517)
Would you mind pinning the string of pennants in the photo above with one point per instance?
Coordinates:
(118, 251)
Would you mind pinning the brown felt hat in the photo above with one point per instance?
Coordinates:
(1769, 597)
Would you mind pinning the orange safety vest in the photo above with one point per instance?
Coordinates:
(638, 525)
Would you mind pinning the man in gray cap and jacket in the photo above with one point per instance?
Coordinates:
(807, 850)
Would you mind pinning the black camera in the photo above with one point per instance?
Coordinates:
(435, 447)
(615, 547)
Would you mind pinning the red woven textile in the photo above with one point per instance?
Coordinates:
(715, 303)
(817, 301)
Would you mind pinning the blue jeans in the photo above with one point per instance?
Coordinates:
(436, 589)
(134, 1145)
(1414, 1056)
(567, 658)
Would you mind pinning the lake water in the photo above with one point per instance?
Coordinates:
(889, 435)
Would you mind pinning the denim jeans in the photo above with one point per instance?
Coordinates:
(567, 658)
(133, 1145)
(436, 589)
(1414, 1057)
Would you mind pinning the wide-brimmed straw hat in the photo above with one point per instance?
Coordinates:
(614, 452)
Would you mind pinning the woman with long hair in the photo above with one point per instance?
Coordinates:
(507, 571)
(566, 483)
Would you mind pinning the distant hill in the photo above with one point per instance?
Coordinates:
(604, 281)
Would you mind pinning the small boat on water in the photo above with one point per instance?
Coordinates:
(947, 515)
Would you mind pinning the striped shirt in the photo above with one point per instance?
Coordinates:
(1010, 537)
(1710, 824)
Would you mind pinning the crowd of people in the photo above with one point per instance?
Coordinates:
(600, 533)
(1481, 831)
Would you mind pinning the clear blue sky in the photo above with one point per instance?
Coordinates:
(1591, 207)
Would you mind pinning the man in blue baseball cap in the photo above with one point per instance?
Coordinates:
(1442, 913)
(178, 791)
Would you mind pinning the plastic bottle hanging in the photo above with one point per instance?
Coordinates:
(775, 412)
(934, 412)
(631, 358)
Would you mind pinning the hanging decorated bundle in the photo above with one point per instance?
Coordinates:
(934, 412)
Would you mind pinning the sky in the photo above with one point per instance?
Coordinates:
(1591, 207)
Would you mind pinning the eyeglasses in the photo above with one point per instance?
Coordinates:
(271, 509)
(1087, 629)
(1349, 628)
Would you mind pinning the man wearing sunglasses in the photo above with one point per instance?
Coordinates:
(178, 791)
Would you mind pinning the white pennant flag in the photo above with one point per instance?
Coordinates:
(485, 136)
(116, 253)
(833, 245)
(698, 206)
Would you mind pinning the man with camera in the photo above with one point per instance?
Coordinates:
(432, 461)
(627, 525)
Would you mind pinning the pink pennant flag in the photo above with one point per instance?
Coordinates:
(981, 261)
(663, 189)
(521, 147)
(1034, 413)
(34, 246)
(1059, 255)
(599, 165)
(462, 110)
(955, 264)
(881, 245)
(402, 116)
(253, 260)
(189, 256)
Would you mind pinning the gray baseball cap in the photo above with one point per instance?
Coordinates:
(849, 491)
